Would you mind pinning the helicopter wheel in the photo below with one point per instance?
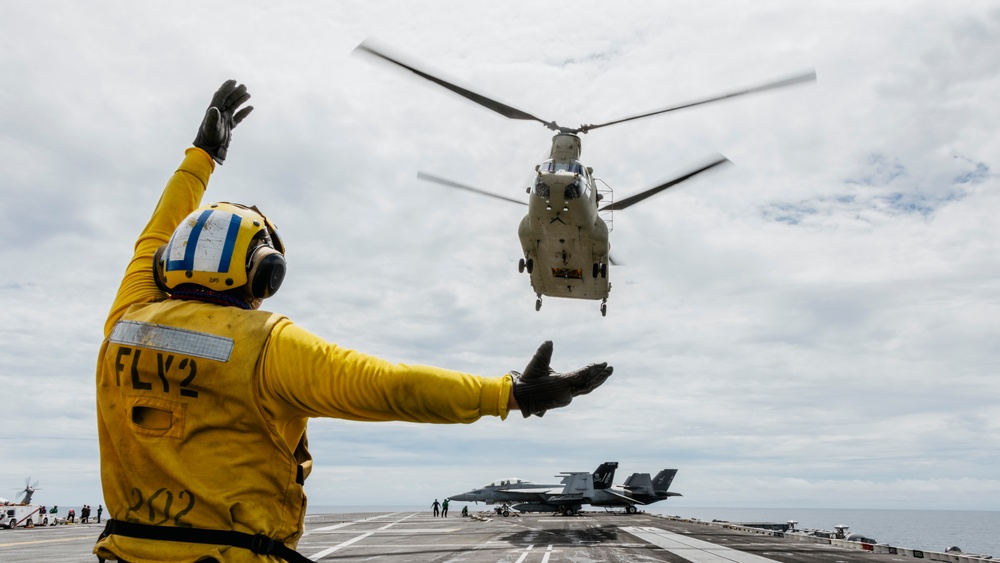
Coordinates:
(538, 304)
(604, 309)
(597, 270)
(520, 266)
(529, 265)
(604, 270)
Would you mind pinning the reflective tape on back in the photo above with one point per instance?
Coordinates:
(171, 339)
(205, 245)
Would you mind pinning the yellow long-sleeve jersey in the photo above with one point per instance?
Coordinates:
(202, 408)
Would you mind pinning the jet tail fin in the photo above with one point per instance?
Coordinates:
(639, 483)
(604, 476)
(662, 481)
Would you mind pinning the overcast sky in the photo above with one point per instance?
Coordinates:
(814, 326)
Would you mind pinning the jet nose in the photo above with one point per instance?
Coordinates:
(465, 497)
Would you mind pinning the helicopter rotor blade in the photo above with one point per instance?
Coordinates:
(450, 184)
(797, 79)
(634, 199)
(502, 109)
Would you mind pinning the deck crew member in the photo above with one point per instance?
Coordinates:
(203, 399)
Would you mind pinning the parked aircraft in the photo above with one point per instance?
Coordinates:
(517, 493)
(575, 490)
(638, 489)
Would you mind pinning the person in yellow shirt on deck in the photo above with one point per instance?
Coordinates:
(203, 399)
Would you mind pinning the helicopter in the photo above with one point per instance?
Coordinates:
(28, 491)
(564, 235)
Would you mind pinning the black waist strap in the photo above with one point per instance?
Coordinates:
(259, 543)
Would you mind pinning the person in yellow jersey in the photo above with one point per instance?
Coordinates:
(203, 399)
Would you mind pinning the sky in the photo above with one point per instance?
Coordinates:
(813, 326)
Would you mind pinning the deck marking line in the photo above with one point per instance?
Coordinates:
(30, 542)
(345, 524)
(330, 550)
(524, 555)
(696, 551)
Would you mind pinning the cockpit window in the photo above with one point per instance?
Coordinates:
(579, 188)
(574, 190)
(573, 166)
(503, 482)
(541, 189)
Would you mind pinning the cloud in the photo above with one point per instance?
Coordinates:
(813, 326)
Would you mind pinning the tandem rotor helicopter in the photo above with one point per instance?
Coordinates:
(564, 236)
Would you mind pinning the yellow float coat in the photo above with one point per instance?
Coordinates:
(202, 408)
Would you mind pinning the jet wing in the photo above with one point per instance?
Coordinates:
(626, 499)
(564, 498)
(534, 491)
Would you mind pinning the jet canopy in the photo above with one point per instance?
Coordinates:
(504, 482)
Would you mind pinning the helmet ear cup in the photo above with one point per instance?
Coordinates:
(159, 269)
(267, 271)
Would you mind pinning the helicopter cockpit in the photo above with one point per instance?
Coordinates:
(572, 166)
(573, 190)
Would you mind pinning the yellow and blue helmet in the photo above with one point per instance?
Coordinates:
(223, 246)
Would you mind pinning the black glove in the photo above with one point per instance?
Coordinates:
(540, 388)
(217, 127)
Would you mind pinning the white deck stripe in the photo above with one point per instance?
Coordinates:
(330, 550)
(524, 555)
(696, 551)
(345, 524)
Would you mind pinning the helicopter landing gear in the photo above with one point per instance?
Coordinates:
(604, 308)
(604, 270)
(538, 304)
(529, 265)
(520, 266)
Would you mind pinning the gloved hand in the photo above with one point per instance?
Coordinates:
(216, 129)
(540, 388)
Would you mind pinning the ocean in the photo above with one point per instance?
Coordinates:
(928, 530)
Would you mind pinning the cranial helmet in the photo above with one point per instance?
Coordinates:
(223, 246)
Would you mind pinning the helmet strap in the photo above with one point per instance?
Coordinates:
(194, 292)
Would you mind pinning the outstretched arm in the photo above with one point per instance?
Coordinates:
(181, 196)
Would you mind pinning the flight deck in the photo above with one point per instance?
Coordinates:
(484, 537)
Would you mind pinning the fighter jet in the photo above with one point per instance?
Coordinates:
(575, 490)
(525, 496)
(638, 489)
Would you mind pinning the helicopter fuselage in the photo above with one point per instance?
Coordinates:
(564, 240)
